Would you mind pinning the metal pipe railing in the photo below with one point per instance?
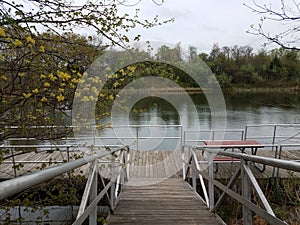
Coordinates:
(16, 185)
(280, 163)
(247, 178)
(274, 129)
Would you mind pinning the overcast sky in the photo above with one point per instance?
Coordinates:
(202, 23)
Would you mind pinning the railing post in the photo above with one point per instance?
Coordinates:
(13, 160)
(246, 193)
(246, 132)
(113, 179)
(183, 162)
(128, 164)
(194, 175)
(137, 138)
(92, 196)
(274, 135)
(211, 191)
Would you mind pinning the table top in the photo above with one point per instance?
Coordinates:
(234, 143)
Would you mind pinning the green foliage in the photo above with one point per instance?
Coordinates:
(260, 69)
(224, 81)
(42, 58)
(62, 191)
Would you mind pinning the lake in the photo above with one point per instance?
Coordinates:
(157, 118)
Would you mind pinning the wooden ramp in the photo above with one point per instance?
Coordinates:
(171, 201)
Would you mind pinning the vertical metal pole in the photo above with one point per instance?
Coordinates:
(246, 193)
(113, 179)
(68, 154)
(13, 159)
(128, 164)
(183, 162)
(246, 133)
(194, 174)
(181, 136)
(279, 157)
(92, 196)
(211, 192)
(137, 138)
(274, 135)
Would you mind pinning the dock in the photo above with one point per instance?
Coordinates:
(170, 201)
(144, 164)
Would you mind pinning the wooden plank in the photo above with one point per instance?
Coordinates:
(171, 201)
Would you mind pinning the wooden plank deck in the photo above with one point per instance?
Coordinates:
(171, 201)
(144, 164)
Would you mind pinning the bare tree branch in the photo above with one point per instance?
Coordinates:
(287, 15)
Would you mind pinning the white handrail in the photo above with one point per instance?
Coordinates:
(16, 185)
(247, 178)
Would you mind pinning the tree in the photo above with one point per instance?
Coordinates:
(100, 17)
(286, 15)
(38, 79)
(42, 58)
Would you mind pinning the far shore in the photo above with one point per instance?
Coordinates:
(192, 90)
(232, 90)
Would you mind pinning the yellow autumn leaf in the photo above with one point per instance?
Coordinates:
(46, 84)
(52, 77)
(27, 95)
(35, 91)
(95, 90)
(2, 32)
(60, 98)
(122, 72)
(63, 75)
(85, 98)
(44, 99)
(111, 97)
(116, 84)
(92, 98)
(42, 49)
(74, 80)
(131, 68)
(17, 43)
(30, 40)
(3, 77)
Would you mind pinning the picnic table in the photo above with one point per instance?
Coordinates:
(240, 145)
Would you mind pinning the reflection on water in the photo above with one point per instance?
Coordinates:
(241, 110)
(262, 108)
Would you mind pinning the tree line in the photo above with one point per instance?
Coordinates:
(242, 66)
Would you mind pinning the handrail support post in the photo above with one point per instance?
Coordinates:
(210, 183)
(92, 196)
(246, 193)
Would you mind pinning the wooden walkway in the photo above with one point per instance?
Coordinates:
(144, 164)
(171, 201)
